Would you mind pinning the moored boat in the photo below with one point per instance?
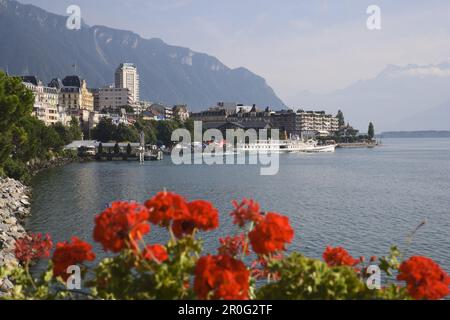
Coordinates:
(286, 146)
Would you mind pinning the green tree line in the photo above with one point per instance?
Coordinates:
(22, 136)
(156, 132)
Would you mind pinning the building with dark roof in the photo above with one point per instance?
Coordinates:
(72, 81)
(31, 79)
(56, 83)
(74, 96)
(45, 107)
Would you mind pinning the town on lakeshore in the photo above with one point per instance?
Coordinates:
(216, 158)
(70, 99)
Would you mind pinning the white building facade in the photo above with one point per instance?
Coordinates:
(127, 76)
(112, 99)
(45, 106)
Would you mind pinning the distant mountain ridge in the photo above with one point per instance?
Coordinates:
(415, 134)
(439, 116)
(396, 99)
(36, 42)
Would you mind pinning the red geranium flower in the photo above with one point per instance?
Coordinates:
(201, 215)
(271, 234)
(335, 257)
(246, 211)
(424, 278)
(165, 207)
(155, 253)
(68, 254)
(221, 277)
(234, 246)
(120, 226)
(33, 246)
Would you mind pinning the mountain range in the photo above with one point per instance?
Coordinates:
(36, 42)
(411, 97)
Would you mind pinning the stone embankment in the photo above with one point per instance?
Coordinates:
(14, 209)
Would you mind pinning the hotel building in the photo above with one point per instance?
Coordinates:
(112, 99)
(45, 106)
(74, 96)
(126, 76)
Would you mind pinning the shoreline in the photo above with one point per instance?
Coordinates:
(15, 207)
(354, 145)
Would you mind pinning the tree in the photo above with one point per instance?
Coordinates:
(340, 116)
(128, 109)
(75, 130)
(16, 102)
(124, 133)
(116, 148)
(371, 131)
(189, 125)
(50, 139)
(149, 128)
(63, 132)
(165, 130)
(105, 131)
(23, 137)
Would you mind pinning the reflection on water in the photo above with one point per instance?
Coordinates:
(363, 199)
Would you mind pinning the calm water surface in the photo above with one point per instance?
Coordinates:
(363, 199)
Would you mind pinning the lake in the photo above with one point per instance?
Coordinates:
(363, 199)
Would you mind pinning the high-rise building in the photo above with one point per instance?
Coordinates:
(126, 76)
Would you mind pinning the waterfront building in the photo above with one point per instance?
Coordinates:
(252, 115)
(305, 123)
(45, 106)
(180, 112)
(211, 115)
(231, 107)
(247, 125)
(290, 122)
(220, 112)
(112, 99)
(126, 76)
(140, 107)
(147, 115)
(160, 112)
(287, 121)
(168, 113)
(74, 96)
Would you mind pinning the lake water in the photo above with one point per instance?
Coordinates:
(363, 199)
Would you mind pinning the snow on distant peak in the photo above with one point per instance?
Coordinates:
(421, 71)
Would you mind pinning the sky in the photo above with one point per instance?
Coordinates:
(317, 46)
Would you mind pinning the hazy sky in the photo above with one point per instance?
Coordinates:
(297, 45)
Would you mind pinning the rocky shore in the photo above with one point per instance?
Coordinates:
(14, 209)
(36, 166)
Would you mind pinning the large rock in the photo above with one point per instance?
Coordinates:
(14, 208)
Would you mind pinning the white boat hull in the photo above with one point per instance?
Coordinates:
(287, 147)
(323, 149)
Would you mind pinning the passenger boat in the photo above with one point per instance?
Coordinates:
(286, 146)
